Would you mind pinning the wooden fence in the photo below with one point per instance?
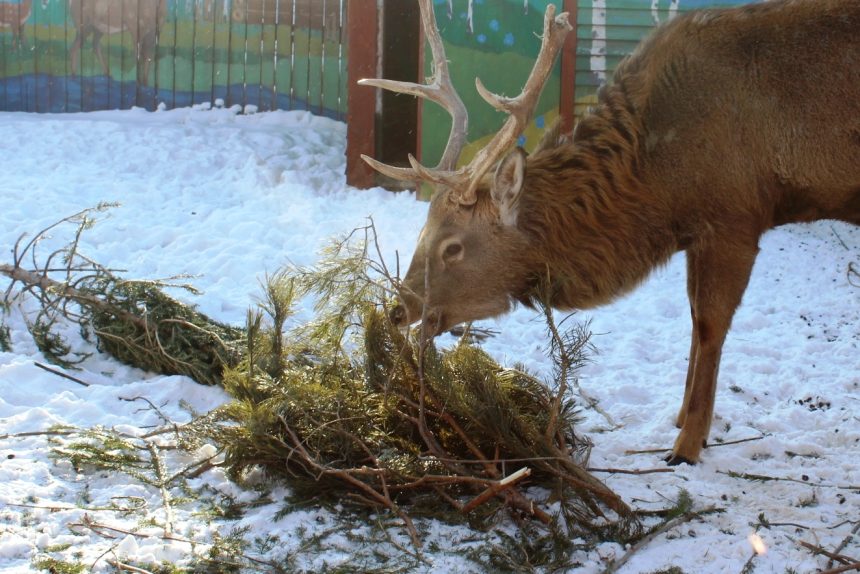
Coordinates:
(81, 55)
(497, 41)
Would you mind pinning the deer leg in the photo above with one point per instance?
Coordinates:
(694, 350)
(694, 338)
(718, 275)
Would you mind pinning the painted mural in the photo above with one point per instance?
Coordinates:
(496, 41)
(79, 55)
(74, 55)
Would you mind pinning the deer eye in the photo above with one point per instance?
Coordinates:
(452, 251)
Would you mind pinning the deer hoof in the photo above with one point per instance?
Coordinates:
(675, 460)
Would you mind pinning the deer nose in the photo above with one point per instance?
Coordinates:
(397, 315)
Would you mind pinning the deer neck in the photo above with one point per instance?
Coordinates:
(597, 227)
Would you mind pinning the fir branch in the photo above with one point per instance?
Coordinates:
(654, 533)
(61, 374)
(844, 560)
(847, 540)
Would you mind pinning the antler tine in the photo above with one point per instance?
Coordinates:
(522, 107)
(440, 91)
(449, 98)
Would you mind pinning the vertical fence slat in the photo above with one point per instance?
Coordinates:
(293, 25)
(362, 33)
(283, 38)
(171, 62)
(35, 49)
(273, 85)
(184, 60)
(270, 53)
(214, 69)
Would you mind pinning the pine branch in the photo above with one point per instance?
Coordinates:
(662, 529)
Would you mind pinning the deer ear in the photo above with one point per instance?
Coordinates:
(508, 185)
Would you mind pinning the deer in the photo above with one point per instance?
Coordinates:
(13, 15)
(721, 125)
(140, 18)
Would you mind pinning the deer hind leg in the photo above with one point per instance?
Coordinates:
(694, 338)
(718, 274)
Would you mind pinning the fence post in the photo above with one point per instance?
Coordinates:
(362, 37)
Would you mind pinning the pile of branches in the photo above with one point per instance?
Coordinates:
(135, 321)
(346, 405)
(350, 405)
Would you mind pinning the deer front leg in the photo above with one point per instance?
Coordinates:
(718, 274)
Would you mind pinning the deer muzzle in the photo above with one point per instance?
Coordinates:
(411, 309)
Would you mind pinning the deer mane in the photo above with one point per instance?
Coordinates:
(587, 212)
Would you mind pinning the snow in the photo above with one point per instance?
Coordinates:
(228, 197)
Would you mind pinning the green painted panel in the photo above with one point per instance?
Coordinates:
(500, 43)
(239, 51)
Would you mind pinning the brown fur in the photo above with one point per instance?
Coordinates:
(720, 126)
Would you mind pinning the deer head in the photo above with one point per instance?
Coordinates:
(468, 263)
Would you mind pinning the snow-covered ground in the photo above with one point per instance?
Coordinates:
(228, 197)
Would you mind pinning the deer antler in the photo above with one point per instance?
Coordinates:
(441, 91)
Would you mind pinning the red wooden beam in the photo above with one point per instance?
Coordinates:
(362, 35)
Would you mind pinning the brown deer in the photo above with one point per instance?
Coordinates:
(722, 124)
(140, 18)
(13, 15)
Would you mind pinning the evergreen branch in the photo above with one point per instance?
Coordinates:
(847, 540)
(654, 533)
(496, 488)
(61, 374)
(834, 556)
(844, 568)
(162, 485)
(767, 478)
(710, 445)
(122, 567)
(378, 497)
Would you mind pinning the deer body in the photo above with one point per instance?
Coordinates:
(695, 146)
(720, 126)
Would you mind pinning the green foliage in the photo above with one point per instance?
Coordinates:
(343, 408)
(55, 566)
(682, 506)
(174, 339)
(5, 337)
(135, 321)
(349, 407)
(102, 449)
